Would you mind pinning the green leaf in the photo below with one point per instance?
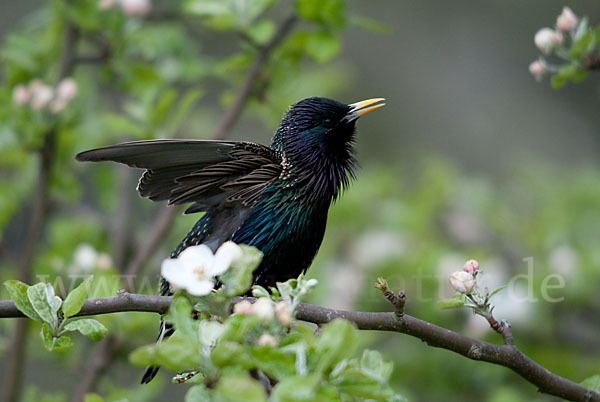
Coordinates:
(273, 361)
(322, 46)
(592, 383)
(209, 332)
(39, 300)
(360, 383)
(18, 293)
(215, 13)
(93, 398)
(52, 343)
(76, 298)
(237, 280)
(337, 341)
(261, 32)
(259, 291)
(495, 291)
(180, 315)
(62, 343)
(251, 257)
(583, 45)
(231, 387)
(572, 72)
(453, 302)
(230, 354)
(373, 362)
(177, 353)
(198, 393)
(297, 388)
(89, 327)
(330, 13)
(47, 337)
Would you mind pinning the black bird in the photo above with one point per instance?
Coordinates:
(274, 198)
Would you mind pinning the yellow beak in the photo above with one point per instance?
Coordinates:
(363, 107)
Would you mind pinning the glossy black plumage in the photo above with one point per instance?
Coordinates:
(274, 198)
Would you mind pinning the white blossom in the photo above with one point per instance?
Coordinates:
(41, 94)
(547, 39)
(462, 281)
(85, 257)
(196, 267)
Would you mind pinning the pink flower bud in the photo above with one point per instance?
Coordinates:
(263, 309)
(20, 95)
(66, 89)
(244, 307)
(471, 266)
(462, 281)
(547, 39)
(136, 7)
(282, 311)
(266, 339)
(537, 69)
(567, 20)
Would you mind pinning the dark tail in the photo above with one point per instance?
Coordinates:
(166, 330)
(149, 374)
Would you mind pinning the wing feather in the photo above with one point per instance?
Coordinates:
(202, 172)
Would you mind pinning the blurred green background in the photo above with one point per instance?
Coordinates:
(471, 158)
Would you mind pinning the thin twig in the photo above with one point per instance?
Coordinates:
(503, 355)
(233, 113)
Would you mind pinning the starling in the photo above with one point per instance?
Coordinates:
(273, 198)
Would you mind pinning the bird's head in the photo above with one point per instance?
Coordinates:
(316, 138)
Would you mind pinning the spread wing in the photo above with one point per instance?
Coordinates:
(202, 172)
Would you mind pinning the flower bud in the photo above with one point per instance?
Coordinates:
(41, 94)
(537, 69)
(263, 309)
(311, 283)
(244, 307)
(462, 281)
(547, 39)
(266, 339)
(20, 95)
(282, 311)
(471, 266)
(136, 7)
(567, 20)
(66, 89)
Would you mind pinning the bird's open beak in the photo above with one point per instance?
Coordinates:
(363, 107)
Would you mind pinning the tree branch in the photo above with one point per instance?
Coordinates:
(234, 112)
(503, 355)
